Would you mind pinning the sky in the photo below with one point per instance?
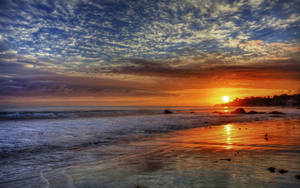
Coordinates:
(146, 52)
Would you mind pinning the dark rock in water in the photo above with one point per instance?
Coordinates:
(239, 111)
(140, 186)
(226, 159)
(271, 169)
(255, 112)
(282, 171)
(297, 177)
(261, 112)
(168, 112)
(218, 112)
(266, 137)
(276, 112)
(252, 112)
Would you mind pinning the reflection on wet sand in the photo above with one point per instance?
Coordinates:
(231, 137)
(232, 155)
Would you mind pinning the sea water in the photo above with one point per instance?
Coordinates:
(37, 145)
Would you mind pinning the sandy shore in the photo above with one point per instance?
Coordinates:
(230, 155)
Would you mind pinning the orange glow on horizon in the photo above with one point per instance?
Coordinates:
(186, 97)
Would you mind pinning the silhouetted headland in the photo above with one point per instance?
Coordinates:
(276, 100)
(243, 111)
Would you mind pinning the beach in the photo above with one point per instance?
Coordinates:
(183, 149)
(149, 94)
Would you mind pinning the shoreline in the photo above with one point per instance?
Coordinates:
(79, 140)
(69, 113)
(221, 152)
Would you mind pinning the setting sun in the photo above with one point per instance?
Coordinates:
(225, 99)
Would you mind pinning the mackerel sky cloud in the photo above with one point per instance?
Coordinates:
(48, 45)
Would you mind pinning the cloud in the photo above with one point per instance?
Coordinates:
(278, 23)
(24, 80)
(269, 69)
(44, 42)
(120, 30)
(255, 3)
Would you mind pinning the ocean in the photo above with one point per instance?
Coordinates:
(71, 146)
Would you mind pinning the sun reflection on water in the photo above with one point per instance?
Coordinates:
(228, 138)
(225, 109)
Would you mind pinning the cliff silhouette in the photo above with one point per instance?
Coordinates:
(276, 100)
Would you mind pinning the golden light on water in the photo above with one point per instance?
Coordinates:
(225, 109)
(228, 139)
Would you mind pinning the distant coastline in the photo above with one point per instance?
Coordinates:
(276, 100)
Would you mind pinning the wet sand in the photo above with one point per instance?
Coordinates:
(230, 155)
